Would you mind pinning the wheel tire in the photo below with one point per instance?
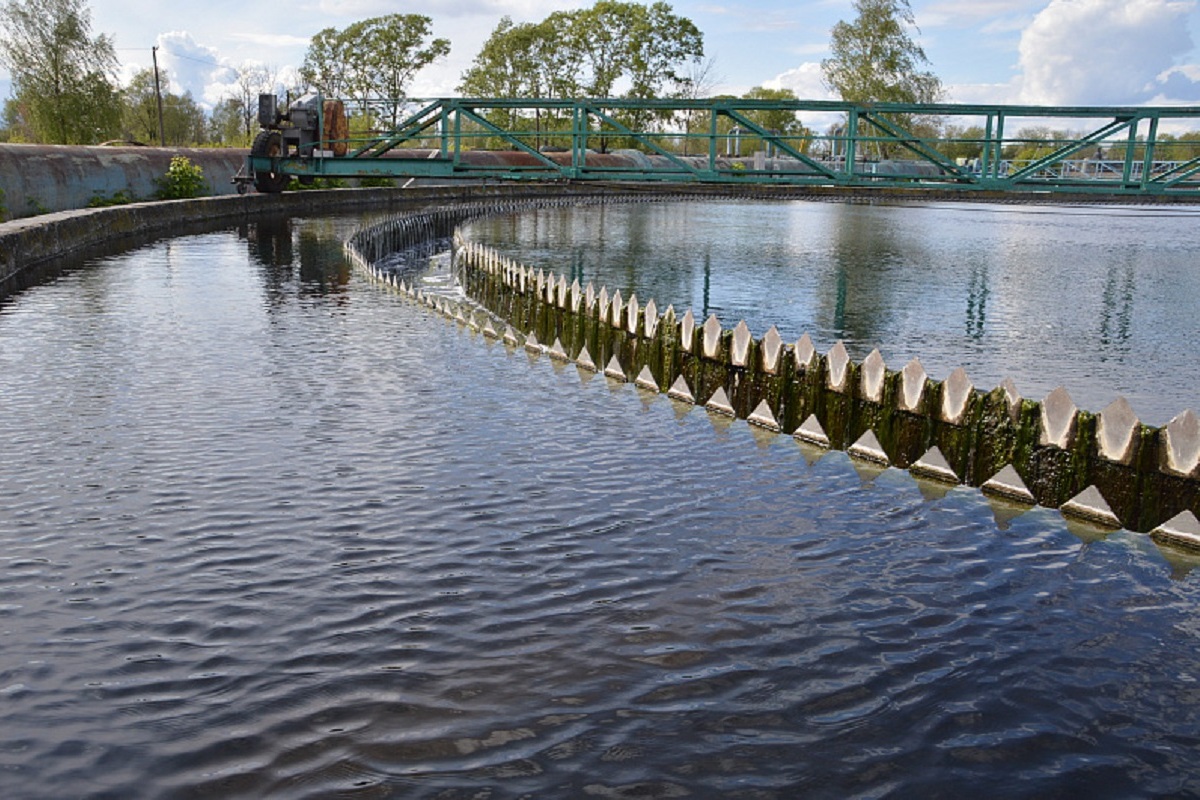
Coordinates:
(269, 144)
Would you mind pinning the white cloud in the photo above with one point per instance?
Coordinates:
(1105, 52)
(983, 93)
(193, 67)
(273, 39)
(808, 83)
(806, 80)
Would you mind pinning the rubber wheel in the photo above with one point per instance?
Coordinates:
(269, 144)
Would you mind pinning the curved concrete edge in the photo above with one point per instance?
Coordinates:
(30, 247)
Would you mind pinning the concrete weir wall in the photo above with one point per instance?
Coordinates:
(1107, 468)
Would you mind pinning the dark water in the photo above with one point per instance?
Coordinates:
(1099, 299)
(267, 531)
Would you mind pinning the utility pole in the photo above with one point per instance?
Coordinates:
(162, 140)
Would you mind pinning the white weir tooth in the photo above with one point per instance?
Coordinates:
(772, 347)
(1114, 431)
(584, 360)
(1058, 419)
(912, 383)
(1090, 505)
(719, 403)
(558, 352)
(811, 431)
(1182, 529)
(687, 331)
(868, 448)
(934, 465)
(764, 417)
(712, 336)
(1008, 484)
(805, 353)
(741, 344)
(839, 363)
(874, 370)
(956, 393)
(1182, 439)
(681, 391)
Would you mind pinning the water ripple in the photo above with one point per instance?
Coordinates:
(341, 547)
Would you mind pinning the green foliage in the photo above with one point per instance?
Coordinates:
(643, 49)
(183, 180)
(372, 61)
(120, 197)
(377, 183)
(183, 120)
(62, 78)
(780, 121)
(588, 51)
(316, 183)
(225, 124)
(964, 143)
(873, 59)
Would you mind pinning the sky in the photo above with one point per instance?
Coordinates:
(1037, 52)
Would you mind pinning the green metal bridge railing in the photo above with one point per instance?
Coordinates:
(1108, 150)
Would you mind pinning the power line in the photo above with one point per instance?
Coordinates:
(191, 58)
(169, 53)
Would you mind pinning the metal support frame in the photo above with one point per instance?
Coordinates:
(889, 145)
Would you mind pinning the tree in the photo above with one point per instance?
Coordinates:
(523, 60)
(372, 61)
(183, 119)
(253, 79)
(781, 121)
(646, 49)
(62, 77)
(701, 79)
(515, 61)
(225, 124)
(599, 51)
(874, 60)
(325, 63)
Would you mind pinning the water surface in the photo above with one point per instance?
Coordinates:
(267, 531)
(1099, 299)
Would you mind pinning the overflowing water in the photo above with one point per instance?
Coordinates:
(1099, 299)
(269, 531)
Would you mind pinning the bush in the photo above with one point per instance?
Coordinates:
(119, 198)
(183, 180)
(377, 183)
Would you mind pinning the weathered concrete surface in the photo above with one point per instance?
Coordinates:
(39, 178)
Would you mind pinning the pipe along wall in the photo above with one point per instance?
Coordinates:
(1107, 468)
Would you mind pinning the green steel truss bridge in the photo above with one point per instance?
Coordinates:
(1135, 151)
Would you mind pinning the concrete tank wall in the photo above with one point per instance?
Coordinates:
(39, 179)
